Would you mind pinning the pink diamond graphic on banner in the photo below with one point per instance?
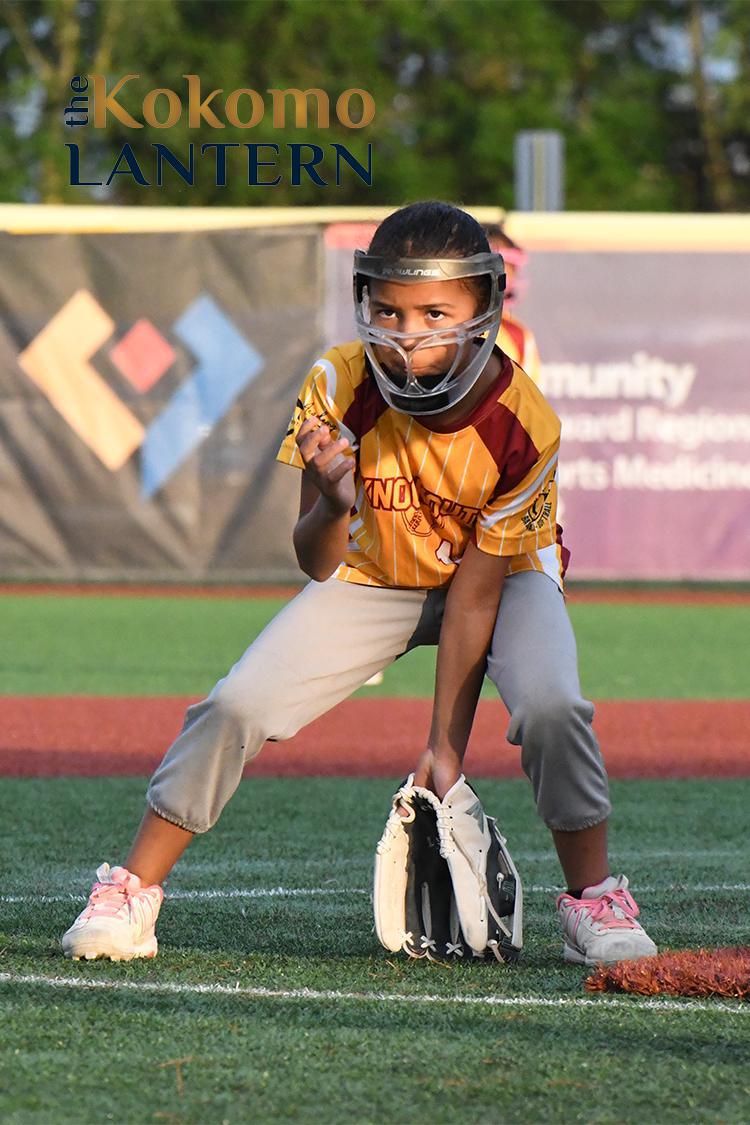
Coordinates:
(142, 355)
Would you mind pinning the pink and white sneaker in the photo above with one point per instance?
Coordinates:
(118, 921)
(600, 927)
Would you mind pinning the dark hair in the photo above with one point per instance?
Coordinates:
(429, 230)
(433, 230)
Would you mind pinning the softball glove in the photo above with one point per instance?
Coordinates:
(445, 884)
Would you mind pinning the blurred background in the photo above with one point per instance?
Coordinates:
(651, 96)
(153, 337)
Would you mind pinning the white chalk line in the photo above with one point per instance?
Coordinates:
(314, 892)
(331, 995)
(624, 855)
(259, 870)
(231, 893)
(628, 855)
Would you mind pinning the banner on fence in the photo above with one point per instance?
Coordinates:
(645, 356)
(146, 381)
(645, 348)
(146, 378)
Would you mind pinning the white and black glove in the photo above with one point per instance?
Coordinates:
(445, 883)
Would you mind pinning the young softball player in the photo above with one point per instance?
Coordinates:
(427, 516)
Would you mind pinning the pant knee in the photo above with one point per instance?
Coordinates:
(549, 721)
(253, 713)
(225, 705)
(203, 766)
(561, 758)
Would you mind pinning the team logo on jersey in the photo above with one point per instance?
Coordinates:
(538, 513)
(422, 512)
(441, 506)
(397, 494)
(417, 521)
(391, 494)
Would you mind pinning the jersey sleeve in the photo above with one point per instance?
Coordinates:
(325, 394)
(521, 515)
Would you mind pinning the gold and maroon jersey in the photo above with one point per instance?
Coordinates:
(424, 493)
(519, 342)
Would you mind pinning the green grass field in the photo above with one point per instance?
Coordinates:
(173, 646)
(271, 1000)
(277, 899)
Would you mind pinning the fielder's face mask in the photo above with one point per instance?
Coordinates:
(401, 388)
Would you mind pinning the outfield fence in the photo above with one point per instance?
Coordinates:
(150, 360)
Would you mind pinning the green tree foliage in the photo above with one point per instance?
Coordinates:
(652, 96)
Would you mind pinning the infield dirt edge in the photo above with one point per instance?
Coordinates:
(102, 736)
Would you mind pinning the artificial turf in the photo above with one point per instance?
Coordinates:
(95, 645)
(277, 898)
(71, 1055)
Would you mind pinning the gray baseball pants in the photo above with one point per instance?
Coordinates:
(329, 640)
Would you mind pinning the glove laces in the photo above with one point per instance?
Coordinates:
(396, 820)
(445, 836)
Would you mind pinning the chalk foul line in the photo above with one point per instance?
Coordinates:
(334, 995)
(312, 892)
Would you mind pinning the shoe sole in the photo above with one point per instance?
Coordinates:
(575, 957)
(95, 951)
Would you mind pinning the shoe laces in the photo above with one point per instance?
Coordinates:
(616, 910)
(108, 898)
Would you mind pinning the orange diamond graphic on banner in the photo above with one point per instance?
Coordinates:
(57, 360)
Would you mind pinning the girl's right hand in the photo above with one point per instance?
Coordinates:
(328, 464)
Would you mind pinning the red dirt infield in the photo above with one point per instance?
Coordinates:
(611, 594)
(93, 736)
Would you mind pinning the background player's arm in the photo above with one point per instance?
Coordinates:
(470, 614)
(327, 494)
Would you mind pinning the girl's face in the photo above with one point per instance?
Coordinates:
(420, 307)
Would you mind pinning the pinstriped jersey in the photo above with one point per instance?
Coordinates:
(421, 493)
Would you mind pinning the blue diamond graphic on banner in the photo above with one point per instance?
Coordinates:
(226, 364)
